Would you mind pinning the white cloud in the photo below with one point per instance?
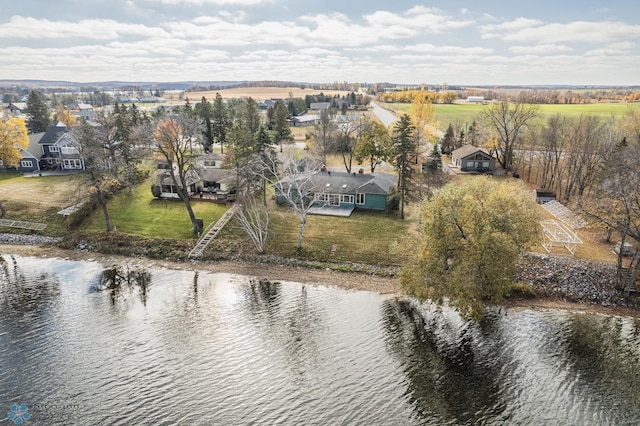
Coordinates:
(101, 29)
(214, 2)
(529, 30)
(541, 49)
(424, 19)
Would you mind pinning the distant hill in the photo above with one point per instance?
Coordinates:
(117, 85)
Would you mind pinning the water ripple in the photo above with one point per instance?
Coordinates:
(203, 348)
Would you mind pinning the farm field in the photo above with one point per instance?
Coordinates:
(464, 114)
(257, 93)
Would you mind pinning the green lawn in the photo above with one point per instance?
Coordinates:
(464, 114)
(367, 237)
(137, 212)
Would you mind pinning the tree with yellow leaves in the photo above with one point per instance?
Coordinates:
(423, 118)
(473, 232)
(13, 136)
(66, 116)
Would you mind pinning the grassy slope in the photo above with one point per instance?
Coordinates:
(137, 212)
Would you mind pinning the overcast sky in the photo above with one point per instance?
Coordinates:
(440, 41)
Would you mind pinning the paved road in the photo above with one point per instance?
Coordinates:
(385, 116)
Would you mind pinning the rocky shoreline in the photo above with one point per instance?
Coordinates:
(28, 240)
(572, 280)
(553, 278)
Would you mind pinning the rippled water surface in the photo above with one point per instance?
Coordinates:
(180, 347)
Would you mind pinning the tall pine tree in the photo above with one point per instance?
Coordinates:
(38, 113)
(404, 148)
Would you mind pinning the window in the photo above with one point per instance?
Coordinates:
(346, 199)
(26, 163)
(209, 163)
(359, 198)
(67, 150)
(54, 148)
(71, 163)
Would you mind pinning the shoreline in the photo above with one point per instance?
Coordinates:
(357, 281)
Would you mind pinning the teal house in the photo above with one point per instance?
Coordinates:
(340, 193)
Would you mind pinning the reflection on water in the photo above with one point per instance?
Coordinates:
(450, 372)
(119, 279)
(85, 344)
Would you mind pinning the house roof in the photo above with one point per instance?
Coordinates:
(352, 183)
(467, 150)
(53, 134)
(212, 156)
(22, 106)
(319, 105)
(217, 175)
(34, 148)
(194, 175)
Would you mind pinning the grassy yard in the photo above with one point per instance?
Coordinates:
(137, 212)
(464, 114)
(366, 237)
(38, 199)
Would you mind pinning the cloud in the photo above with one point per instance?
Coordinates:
(613, 49)
(534, 31)
(541, 49)
(100, 29)
(424, 19)
(498, 30)
(214, 2)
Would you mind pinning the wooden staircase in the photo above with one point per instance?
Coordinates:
(212, 231)
(22, 224)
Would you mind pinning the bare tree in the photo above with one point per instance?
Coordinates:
(294, 186)
(587, 146)
(346, 141)
(616, 204)
(324, 133)
(551, 151)
(508, 120)
(172, 138)
(254, 221)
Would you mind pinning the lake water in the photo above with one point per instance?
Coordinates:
(180, 347)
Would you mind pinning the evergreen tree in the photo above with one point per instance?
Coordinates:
(220, 122)
(38, 113)
(448, 140)
(204, 110)
(435, 159)
(404, 147)
(281, 128)
(461, 139)
(472, 137)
